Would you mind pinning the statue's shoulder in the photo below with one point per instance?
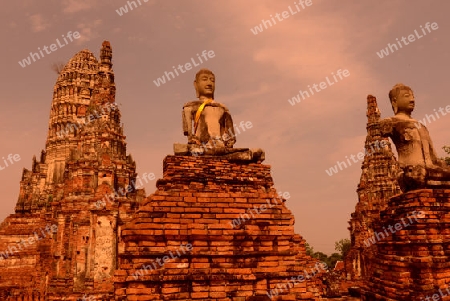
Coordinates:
(218, 104)
(398, 125)
(194, 103)
(403, 122)
(386, 125)
(387, 120)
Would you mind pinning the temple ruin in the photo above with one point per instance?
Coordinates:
(214, 229)
(400, 228)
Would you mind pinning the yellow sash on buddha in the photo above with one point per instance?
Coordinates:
(199, 112)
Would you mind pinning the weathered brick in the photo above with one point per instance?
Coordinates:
(217, 245)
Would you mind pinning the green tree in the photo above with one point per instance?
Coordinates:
(329, 260)
(335, 257)
(309, 250)
(321, 256)
(343, 246)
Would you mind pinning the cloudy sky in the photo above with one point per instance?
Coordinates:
(256, 75)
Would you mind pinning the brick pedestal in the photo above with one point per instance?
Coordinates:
(412, 262)
(214, 230)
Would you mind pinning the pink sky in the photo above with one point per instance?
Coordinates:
(255, 77)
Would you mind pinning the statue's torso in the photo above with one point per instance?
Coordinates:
(211, 117)
(412, 141)
(212, 124)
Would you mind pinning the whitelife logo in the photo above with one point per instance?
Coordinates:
(379, 145)
(188, 66)
(430, 118)
(31, 240)
(124, 9)
(161, 261)
(53, 47)
(320, 267)
(398, 226)
(16, 158)
(225, 137)
(302, 95)
(411, 38)
(122, 191)
(72, 127)
(284, 15)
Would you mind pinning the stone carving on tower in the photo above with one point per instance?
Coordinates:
(378, 183)
(83, 184)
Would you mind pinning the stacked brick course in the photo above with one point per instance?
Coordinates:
(240, 235)
(414, 262)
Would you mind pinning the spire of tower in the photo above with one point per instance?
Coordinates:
(373, 113)
(106, 55)
(71, 98)
(377, 184)
(85, 133)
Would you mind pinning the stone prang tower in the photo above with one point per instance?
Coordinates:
(62, 239)
(377, 185)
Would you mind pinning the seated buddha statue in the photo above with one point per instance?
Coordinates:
(209, 126)
(205, 121)
(419, 165)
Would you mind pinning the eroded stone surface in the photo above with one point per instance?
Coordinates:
(206, 121)
(419, 164)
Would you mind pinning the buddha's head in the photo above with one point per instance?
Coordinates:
(204, 83)
(402, 99)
